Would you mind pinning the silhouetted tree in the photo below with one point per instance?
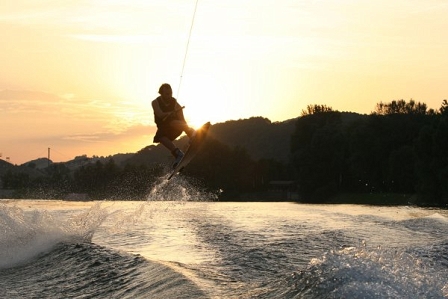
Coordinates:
(314, 109)
(432, 163)
(401, 107)
(15, 180)
(399, 148)
(318, 150)
(220, 167)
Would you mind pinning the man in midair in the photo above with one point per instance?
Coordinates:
(170, 121)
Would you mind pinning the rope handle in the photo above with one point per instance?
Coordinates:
(175, 111)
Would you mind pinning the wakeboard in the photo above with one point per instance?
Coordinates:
(192, 149)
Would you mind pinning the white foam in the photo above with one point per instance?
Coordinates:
(355, 272)
(28, 234)
(178, 189)
(437, 216)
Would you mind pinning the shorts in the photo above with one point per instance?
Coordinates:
(167, 131)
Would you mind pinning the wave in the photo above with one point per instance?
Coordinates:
(439, 217)
(281, 267)
(434, 224)
(88, 270)
(416, 271)
(359, 272)
(46, 257)
(27, 234)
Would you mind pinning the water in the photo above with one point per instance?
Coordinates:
(207, 249)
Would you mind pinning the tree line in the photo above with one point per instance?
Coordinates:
(99, 180)
(219, 167)
(401, 147)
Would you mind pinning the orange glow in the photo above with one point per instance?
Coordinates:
(92, 69)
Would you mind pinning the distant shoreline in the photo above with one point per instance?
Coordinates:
(374, 199)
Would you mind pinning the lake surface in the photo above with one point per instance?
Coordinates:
(207, 249)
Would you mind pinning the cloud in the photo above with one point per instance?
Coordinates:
(94, 16)
(114, 114)
(132, 132)
(83, 138)
(119, 38)
(26, 101)
(65, 146)
(36, 120)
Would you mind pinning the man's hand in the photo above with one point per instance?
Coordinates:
(168, 114)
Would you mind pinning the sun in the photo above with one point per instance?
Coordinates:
(201, 110)
(204, 102)
(195, 119)
(197, 111)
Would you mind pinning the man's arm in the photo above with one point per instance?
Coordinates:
(157, 111)
(179, 111)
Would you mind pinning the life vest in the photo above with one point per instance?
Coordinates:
(165, 108)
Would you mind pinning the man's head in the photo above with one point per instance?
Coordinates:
(165, 91)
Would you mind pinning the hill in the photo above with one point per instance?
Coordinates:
(39, 163)
(28, 168)
(5, 166)
(261, 138)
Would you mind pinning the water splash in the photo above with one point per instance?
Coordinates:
(360, 272)
(180, 189)
(27, 234)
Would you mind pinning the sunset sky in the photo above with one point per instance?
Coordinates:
(79, 76)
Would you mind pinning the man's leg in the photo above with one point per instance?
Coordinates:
(177, 153)
(168, 143)
(182, 125)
